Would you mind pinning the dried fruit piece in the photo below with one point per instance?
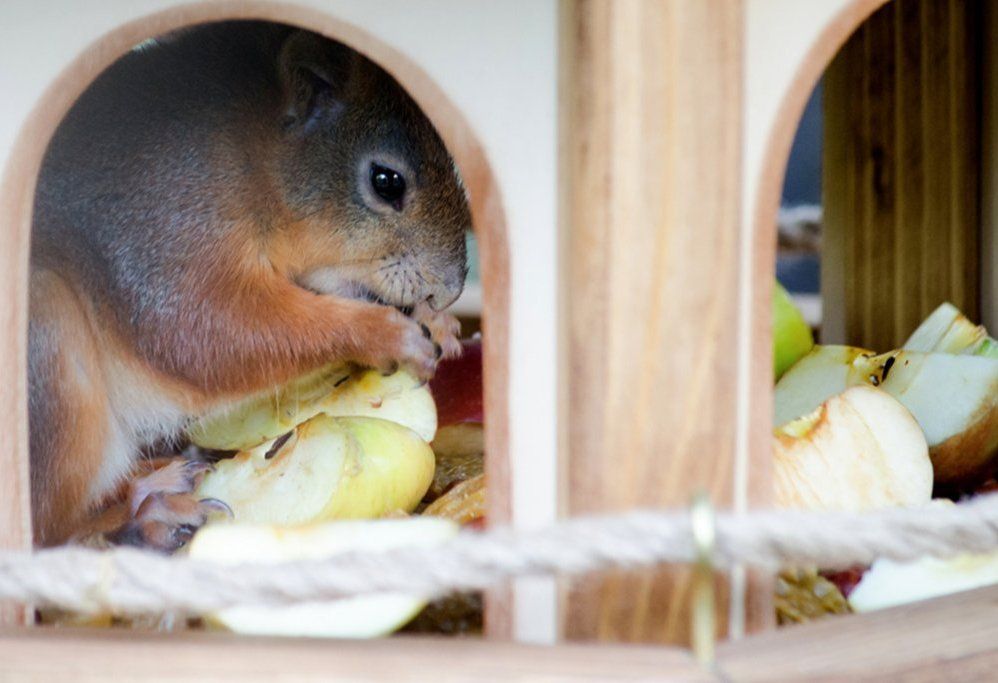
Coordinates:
(465, 503)
(460, 452)
(803, 595)
(457, 615)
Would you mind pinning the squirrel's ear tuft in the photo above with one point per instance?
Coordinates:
(314, 73)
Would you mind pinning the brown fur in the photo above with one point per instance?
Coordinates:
(205, 229)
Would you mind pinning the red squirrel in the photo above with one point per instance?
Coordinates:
(221, 211)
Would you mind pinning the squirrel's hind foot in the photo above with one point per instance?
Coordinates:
(160, 511)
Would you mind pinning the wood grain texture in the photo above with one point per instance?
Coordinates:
(651, 145)
(946, 639)
(46, 655)
(15, 490)
(901, 169)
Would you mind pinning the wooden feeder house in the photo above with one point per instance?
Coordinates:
(624, 161)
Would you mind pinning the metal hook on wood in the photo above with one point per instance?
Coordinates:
(704, 621)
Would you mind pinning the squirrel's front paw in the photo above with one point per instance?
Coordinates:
(443, 328)
(402, 342)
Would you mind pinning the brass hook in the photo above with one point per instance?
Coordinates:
(704, 622)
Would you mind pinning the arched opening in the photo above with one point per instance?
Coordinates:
(898, 92)
(887, 122)
(488, 220)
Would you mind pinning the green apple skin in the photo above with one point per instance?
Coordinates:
(792, 337)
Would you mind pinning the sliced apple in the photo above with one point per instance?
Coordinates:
(859, 450)
(328, 468)
(359, 617)
(888, 583)
(334, 390)
(954, 399)
(947, 330)
(792, 336)
(824, 372)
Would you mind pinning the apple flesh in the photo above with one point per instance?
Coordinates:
(954, 398)
(857, 451)
(824, 372)
(888, 584)
(328, 468)
(334, 390)
(792, 336)
(947, 330)
(358, 617)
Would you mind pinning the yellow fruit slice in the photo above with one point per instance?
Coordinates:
(328, 468)
(360, 617)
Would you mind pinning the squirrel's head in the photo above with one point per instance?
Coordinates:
(378, 208)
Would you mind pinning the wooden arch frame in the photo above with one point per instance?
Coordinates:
(17, 186)
(889, 643)
(776, 154)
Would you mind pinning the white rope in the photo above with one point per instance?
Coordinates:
(128, 581)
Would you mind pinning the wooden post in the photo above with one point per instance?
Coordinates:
(15, 492)
(902, 104)
(660, 364)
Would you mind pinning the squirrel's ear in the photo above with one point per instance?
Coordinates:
(313, 74)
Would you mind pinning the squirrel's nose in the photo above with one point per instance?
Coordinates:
(444, 294)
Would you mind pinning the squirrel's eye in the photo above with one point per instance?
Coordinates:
(388, 184)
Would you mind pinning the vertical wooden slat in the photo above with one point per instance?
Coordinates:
(909, 167)
(15, 496)
(901, 176)
(989, 167)
(652, 117)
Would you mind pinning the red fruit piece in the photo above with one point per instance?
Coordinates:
(457, 386)
(847, 579)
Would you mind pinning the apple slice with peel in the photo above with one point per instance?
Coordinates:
(954, 398)
(947, 330)
(360, 617)
(334, 390)
(792, 336)
(824, 372)
(327, 468)
(857, 451)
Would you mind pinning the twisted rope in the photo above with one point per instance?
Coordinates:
(127, 581)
